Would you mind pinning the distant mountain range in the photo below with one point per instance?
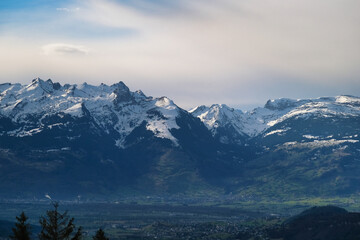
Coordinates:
(105, 142)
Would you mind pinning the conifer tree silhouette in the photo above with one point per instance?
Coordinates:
(21, 231)
(58, 226)
(100, 235)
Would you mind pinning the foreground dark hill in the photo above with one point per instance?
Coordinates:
(321, 223)
(108, 142)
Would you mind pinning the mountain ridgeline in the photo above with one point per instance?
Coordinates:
(107, 142)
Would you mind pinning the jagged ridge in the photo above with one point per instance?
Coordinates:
(113, 108)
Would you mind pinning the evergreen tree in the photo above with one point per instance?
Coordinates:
(21, 231)
(58, 226)
(100, 235)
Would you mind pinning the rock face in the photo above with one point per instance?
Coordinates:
(107, 141)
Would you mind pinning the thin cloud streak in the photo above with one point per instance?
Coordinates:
(68, 9)
(64, 49)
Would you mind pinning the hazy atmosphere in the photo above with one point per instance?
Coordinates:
(240, 53)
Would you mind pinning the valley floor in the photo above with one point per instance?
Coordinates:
(146, 219)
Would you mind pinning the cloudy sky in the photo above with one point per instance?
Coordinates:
(237, 52)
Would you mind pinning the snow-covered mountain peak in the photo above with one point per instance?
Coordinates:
(217, 110)
(348, 99)
(165, 103)
(120, 86)
(284, 103)
(140, 94)
(220, 115)
(198, 110)
(40, 86)
(122, 93)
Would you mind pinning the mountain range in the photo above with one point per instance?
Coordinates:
(104, 142)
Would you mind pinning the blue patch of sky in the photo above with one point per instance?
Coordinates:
(77, 30)
(86, 30)
(138, 4)
(165, 3)
(17, 14)
(30, 4)
(153, 6)
(15, 11)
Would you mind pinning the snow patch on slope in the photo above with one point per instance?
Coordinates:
(161, 127)
(275, 132)
(75, 110)
(319, 143)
